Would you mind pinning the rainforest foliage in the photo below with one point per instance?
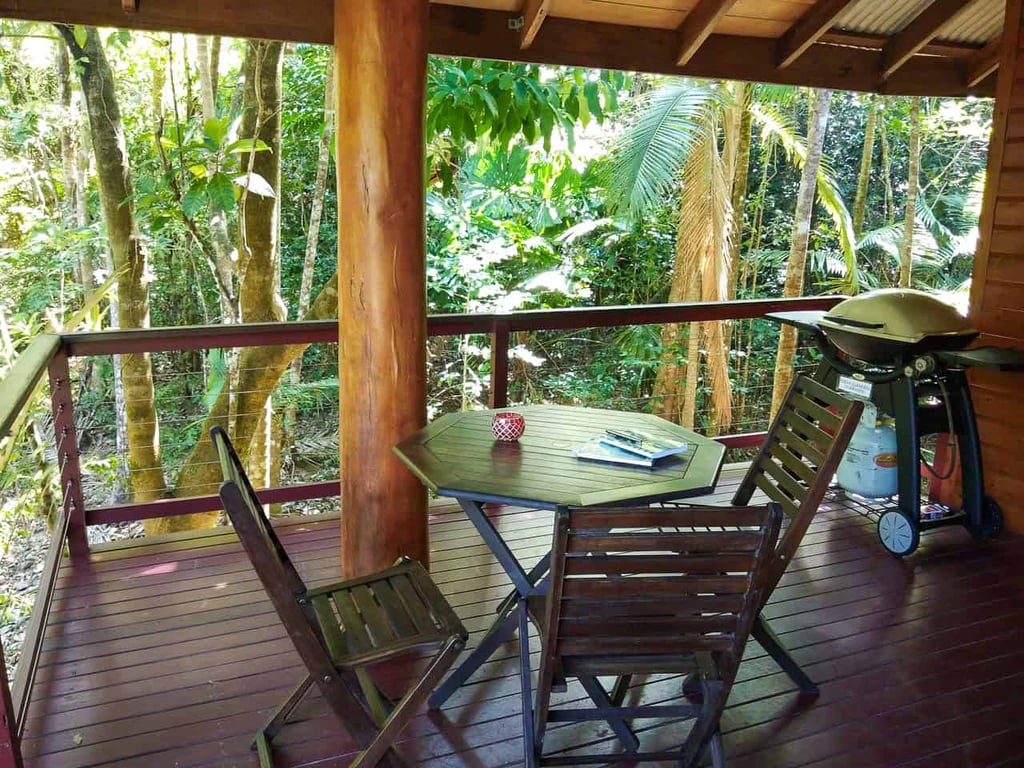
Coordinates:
(166, 180)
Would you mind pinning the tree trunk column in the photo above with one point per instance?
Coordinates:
(380, 50)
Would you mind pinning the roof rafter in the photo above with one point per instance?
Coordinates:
(919, 32)
(698, 25)
(534, 13)
(984, 62)
(463, 31)
(807, 29)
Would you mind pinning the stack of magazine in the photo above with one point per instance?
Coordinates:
(622, 446)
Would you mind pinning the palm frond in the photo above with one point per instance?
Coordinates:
(652, 149)
(779, 126)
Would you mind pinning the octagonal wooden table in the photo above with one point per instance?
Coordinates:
(457, 456)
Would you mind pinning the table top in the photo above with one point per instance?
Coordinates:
(456, 455)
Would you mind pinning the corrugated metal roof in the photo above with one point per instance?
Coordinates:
(880, 17)
(980, 25)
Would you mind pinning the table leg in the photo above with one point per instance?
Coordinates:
(475, 512)
(501, 631)
(509, 610)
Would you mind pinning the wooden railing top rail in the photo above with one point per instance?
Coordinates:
(272, 334)
(20, 382)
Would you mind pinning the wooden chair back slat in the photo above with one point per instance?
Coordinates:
(798, 459)
(728, 541)
(793, 461)
(627, 599)
(599, 520)
(576, 608)
(794, 443)
(662, 587)
(783, 479)
(668, 563)
(637, 564)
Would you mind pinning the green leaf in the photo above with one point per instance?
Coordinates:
(194, 198)
(222, 194)
(81, 35)
(247, 145)
(215, 130)
(255, 184)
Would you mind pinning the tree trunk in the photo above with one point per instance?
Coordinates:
(127, 254)
(740, 182)
(259, 262)
(208, 52)
(316, 210)
(913, 185)
(699, 274)
(263, 367)
(241, 406)
(817, 121)
(860, 200)
(890, 206)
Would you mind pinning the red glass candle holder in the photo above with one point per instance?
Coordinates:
(508, 426)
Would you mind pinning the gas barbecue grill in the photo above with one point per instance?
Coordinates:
(906, 351)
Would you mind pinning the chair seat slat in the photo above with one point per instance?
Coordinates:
(418, 612)
(374, 618)
(394, 608)
(351, 623)
(333, 636)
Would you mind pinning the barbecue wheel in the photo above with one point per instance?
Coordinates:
(898, 532)
(991, 520)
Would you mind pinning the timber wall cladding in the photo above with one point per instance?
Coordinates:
(997, 294)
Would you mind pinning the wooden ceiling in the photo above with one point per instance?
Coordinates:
(925, 47)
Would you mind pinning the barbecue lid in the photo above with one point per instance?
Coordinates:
(897, 314)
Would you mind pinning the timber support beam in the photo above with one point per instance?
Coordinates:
(698, 26)
(808, 29)
(919, 32)
(381, 59)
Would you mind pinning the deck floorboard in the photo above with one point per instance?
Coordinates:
(166, 652)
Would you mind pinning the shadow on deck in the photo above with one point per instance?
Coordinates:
(166, 652)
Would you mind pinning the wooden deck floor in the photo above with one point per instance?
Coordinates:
(166, 653)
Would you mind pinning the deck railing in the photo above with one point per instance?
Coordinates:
(51, 355)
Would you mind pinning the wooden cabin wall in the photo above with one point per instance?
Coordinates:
(997, 291)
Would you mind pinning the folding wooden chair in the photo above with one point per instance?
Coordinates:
(794, 467)
(340, 629)
(627, 598)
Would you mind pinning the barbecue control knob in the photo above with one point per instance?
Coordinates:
(920, 366)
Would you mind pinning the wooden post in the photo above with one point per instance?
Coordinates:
(66, 439)
(381, 57)
(10, 743)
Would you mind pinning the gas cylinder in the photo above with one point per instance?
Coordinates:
(869, 467)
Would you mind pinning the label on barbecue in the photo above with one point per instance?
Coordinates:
(854, 386)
